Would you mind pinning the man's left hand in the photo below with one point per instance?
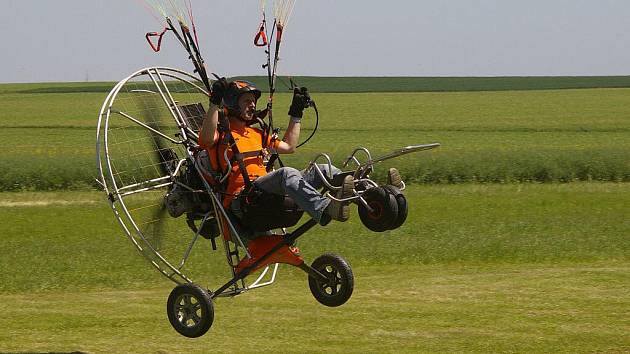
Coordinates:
(301, 100)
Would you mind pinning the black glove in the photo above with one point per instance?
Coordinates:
(219, 88)
(301, 100)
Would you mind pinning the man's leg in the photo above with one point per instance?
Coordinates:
(289, 181)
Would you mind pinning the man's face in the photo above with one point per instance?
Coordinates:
(247, 105)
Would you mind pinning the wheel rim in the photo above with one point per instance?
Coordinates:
(377, 210)
(334, 284)
(188, 310)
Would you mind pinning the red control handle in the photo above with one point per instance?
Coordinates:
(150, 35)
(261, 38)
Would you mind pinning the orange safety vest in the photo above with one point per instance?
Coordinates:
(249, 143)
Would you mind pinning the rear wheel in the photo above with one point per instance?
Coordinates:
(339, 284)
(190, 310)
(384, 209)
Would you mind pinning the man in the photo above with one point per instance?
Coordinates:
(240, 97)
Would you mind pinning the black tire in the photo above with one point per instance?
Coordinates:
(190, 310)
(338, 289)
(401, 201)
(384, 206)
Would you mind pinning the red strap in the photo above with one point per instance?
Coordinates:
(260, 36)
(156, 48)
(279, 29)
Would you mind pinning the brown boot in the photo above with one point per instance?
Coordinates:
(394, 179)
(340, 211)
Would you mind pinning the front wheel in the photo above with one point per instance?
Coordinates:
(339, 284)
(190, 310)
(384, 211)
(402, 206)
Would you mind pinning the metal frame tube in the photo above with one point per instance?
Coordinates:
(320, 174)
(148, 127)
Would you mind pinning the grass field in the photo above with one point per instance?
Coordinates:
(504, 136)
(580, 308)
(581, 222)
(478, 268)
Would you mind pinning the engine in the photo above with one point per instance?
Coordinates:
(189, 196)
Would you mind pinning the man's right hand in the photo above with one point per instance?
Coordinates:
(219, 88)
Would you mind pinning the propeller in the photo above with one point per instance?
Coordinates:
(165, 160)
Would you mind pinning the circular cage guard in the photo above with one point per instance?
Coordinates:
(146, 127)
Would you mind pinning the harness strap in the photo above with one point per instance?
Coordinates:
(247, 154)
(223, 127)
(226, 138)
(235, 156)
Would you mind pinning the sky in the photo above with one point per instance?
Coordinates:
(97, 40)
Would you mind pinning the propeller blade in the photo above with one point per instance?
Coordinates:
(159, 215)
(150, 113)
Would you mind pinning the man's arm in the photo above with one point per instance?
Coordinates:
(208, 131)
(301, 100)
(291, 137)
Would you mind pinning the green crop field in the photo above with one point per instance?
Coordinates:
(500, 253)
(501, 136)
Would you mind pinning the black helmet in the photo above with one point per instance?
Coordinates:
(235, 89)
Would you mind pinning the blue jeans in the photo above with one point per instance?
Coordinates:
(301, 186)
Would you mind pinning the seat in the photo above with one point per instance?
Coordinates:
(264, 211)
